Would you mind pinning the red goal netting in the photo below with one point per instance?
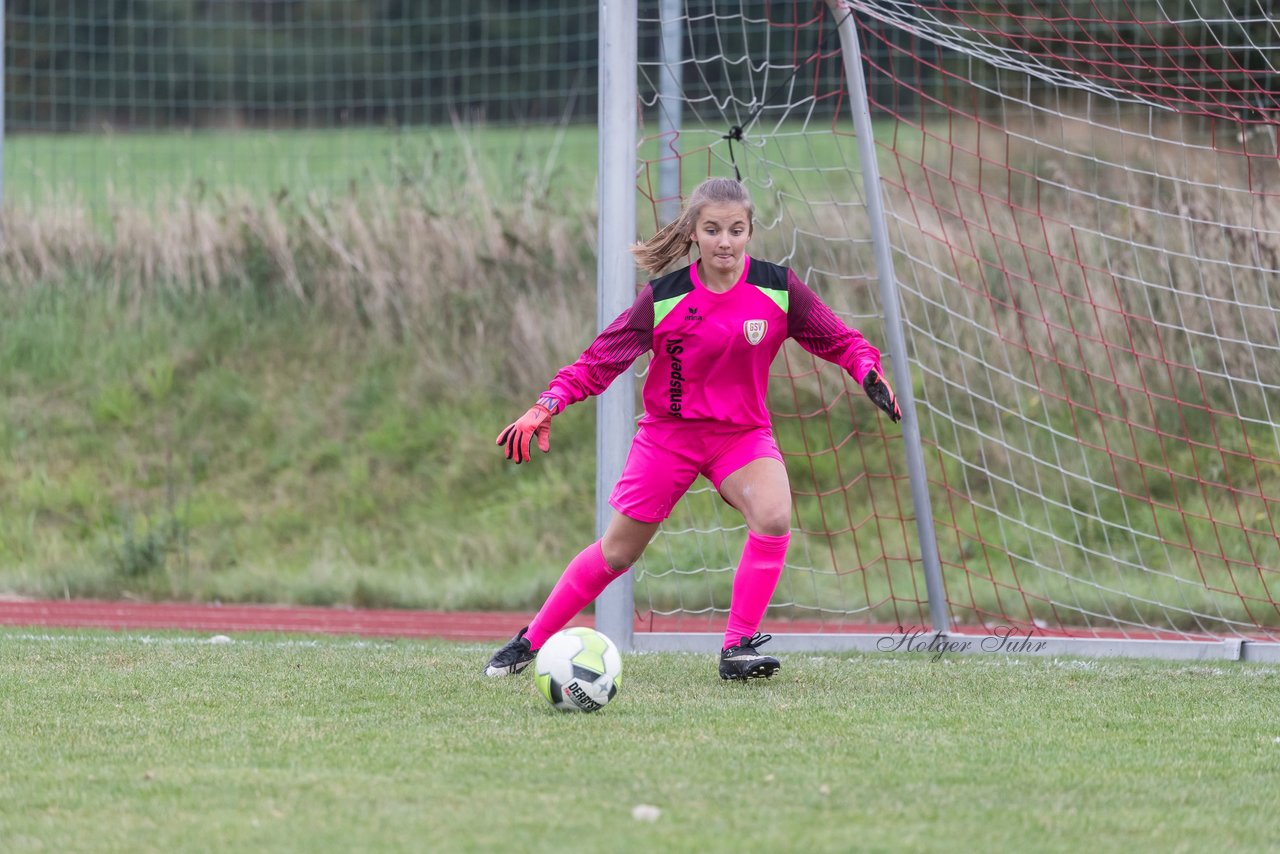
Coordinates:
(1085, 232)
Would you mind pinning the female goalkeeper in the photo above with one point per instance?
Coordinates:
(714, 328)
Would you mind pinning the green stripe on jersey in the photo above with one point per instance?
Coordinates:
(782, 298)
(662, 307)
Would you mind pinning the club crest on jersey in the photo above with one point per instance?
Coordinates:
(755, 330)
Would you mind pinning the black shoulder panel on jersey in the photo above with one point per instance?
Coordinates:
(675, 284)
(762, 274)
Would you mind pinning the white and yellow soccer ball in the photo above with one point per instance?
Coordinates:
(578, 670)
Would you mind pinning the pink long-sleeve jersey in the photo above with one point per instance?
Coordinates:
(712, 351)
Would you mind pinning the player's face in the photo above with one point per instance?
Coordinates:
(722, 233)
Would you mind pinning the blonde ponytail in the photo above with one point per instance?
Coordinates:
(671, 242)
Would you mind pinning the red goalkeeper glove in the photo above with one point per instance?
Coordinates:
(881, 394)
(518, 435)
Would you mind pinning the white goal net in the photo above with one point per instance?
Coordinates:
(1085, 238)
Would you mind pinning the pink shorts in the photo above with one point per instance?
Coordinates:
(665, 461)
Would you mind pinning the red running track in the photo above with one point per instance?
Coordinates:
(225, 619)
(446, 625)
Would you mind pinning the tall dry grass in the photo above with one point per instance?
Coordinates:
(1129, 244)
(1102, 248)
(492, 292)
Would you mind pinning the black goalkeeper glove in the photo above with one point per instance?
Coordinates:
(881, 394)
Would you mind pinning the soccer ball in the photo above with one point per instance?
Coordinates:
(578, 670)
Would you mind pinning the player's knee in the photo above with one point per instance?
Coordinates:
(773, 525)
(620, 556)
(773, 521)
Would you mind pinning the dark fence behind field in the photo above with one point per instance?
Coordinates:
(161, 64)
(131, 64)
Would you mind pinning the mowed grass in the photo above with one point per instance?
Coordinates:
(111, 168)
(100, 168)
(168, 742)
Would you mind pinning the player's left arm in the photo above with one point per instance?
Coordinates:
(817, 329)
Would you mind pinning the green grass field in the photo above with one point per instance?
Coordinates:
(141, 167)
(165, 742)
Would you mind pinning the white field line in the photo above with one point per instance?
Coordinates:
(1245, 669)
(217, 640)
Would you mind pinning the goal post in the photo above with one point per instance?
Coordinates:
(615, 277)
(940, 622)
(1078, 217)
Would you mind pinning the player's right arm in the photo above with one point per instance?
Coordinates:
(611, 353)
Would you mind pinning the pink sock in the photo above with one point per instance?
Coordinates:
(753, 584)
(586, 576)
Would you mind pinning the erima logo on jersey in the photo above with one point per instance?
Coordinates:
(693, 314)
(755, 330)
